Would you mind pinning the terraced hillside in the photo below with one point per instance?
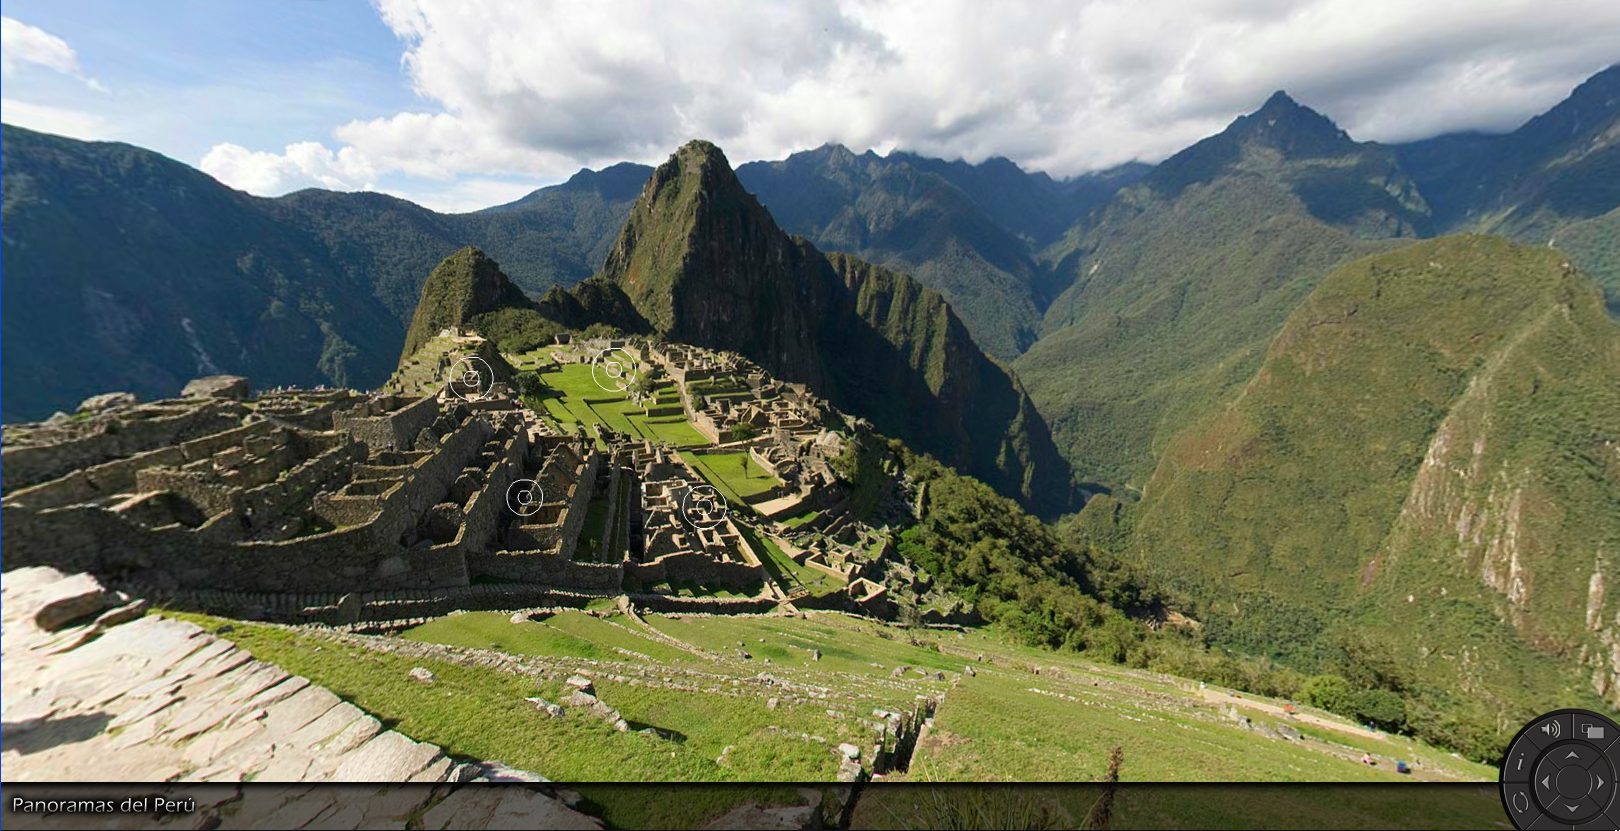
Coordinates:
(772, 697)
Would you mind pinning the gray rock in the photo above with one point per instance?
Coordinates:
(107, 401)
(581, 683)
(546, 707)
(67, 600)
(421, 675)
(218, 386)
(849, 751)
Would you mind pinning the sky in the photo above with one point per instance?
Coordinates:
(462, 104)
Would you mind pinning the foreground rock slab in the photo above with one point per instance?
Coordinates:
(149, 699)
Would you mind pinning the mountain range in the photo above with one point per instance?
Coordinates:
(1354, 405)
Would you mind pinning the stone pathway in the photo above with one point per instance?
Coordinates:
(94, 690)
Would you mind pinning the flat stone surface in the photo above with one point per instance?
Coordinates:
(150, 699)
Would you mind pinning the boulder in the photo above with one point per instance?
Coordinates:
(421, 675)
(849, 751)
(581, 683)
(107, 401)
(218, 386)
(71, 598)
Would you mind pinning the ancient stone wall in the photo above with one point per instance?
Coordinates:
(119, 476)
(113, 436)
(697, 567)
(94, 538)
(545, 567)
(703, 605)
(393, 428)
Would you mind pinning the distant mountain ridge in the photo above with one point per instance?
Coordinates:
(967, 231)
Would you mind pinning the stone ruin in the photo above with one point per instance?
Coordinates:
(350, 508)
(321, 504)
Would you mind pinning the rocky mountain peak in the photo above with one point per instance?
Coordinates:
(467, 283)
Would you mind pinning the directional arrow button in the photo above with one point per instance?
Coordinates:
(1574, 810)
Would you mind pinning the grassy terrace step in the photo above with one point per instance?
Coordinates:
(1022, 714)
(573, 398)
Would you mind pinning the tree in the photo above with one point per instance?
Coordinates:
(1331, 693)
(1381, 707)
(644, 385)
(529, 384)
(742, 431)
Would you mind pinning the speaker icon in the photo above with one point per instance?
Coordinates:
(1552, 729)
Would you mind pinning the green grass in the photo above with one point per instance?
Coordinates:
(573, 398)
(801, 519)
(480, 713)
(991, 726)
(784, 570)
(590, 532)
(564, 635)
(735, 474)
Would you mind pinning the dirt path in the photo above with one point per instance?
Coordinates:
(1224, 698)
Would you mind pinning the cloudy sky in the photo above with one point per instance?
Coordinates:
(460, 104)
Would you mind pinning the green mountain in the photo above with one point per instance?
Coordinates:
(704, 263)
(142, 273)
(127, 270)
(1420, 484)
(467, 284)
(1175, 286)
(966, 231)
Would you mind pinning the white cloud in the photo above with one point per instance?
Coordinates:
(22, 45)
(538, 89)
(467, 194)
(301, 165)
(58, 120)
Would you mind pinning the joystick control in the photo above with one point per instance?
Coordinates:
(1559, 772)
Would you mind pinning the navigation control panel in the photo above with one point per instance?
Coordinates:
(1559, 772)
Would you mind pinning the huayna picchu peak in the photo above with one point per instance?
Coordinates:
(704, 263)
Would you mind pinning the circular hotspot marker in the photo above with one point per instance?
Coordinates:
(470, 379)
(524, 497)
(703, 507)
(613, 369)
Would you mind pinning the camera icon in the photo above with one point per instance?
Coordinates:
(524, 497)
(703, 507)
